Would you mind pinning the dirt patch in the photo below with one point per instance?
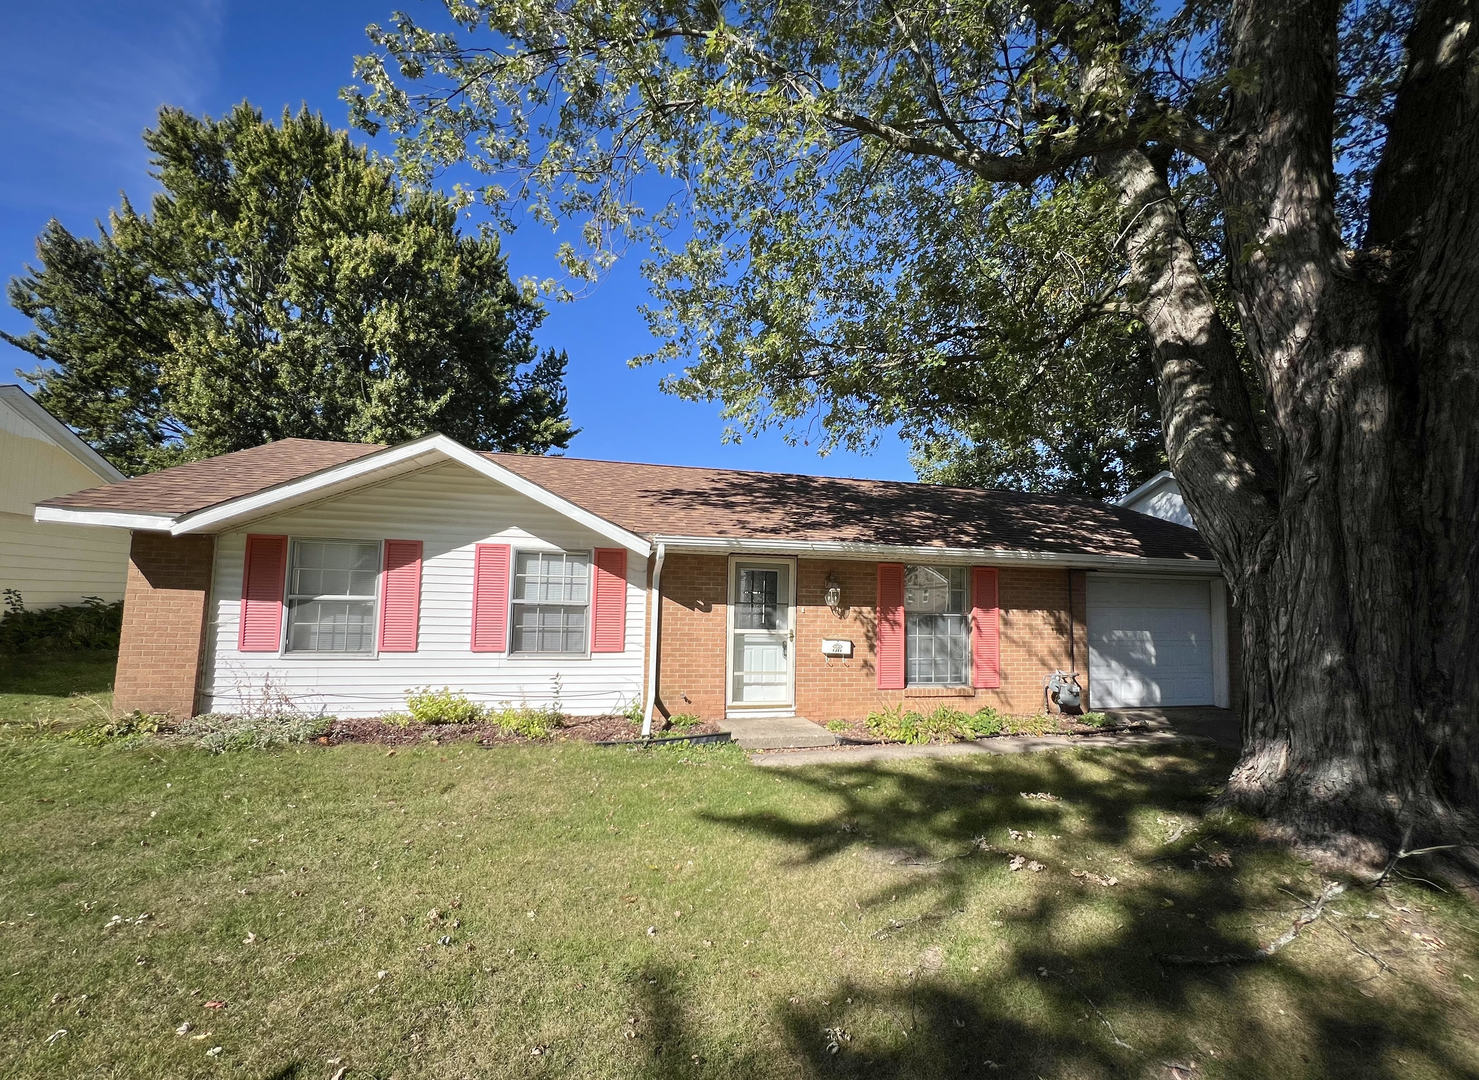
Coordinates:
(577, 728)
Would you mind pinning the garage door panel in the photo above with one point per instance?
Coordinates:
(1150, 643)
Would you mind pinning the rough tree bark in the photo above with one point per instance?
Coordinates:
(1352, 549)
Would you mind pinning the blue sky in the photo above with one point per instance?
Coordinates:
(82, 80)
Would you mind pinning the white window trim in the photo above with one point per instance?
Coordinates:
(283, 652)
(970, 629)
(509, 652)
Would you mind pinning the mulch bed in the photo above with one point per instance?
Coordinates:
(577, 728)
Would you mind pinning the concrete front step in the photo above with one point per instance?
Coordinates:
(777, 732)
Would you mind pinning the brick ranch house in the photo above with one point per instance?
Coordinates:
(341, 575)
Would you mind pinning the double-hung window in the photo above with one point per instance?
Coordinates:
(331, 596)
(551, 601)
(937, 626)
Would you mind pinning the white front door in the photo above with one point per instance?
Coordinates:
(761, 635)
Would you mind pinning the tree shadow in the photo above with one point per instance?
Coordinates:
(1130, 1000)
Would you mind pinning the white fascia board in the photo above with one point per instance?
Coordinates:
(368, 469)
(849, 550)
(111, 519)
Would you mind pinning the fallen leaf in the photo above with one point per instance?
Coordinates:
(215, 1004)
(214, 1051)
(185, 1029)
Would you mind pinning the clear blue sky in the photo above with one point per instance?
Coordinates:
(82, 80)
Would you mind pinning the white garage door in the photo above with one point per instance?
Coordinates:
(1150, 642)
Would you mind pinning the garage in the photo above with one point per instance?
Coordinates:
(1156, 641)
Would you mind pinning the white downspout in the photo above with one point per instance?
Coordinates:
(653, 623)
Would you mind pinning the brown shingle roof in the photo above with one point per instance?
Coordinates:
(676, 500)
(187, 488)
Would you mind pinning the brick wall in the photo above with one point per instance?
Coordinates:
(164, 612)
(693, 665)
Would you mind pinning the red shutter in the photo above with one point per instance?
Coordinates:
(985, 629)
(400, 596)
(890, 626)
(609, 603)
(263, 571)
(490, 598)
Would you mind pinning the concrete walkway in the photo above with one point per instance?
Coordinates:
(1163, 727)
(777, 732)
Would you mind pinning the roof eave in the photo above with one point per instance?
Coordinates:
(107, 519)
(1006, 557)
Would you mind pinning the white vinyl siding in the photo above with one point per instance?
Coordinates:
(50, 564)
(451, 510)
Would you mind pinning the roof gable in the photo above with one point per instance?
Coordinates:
(57, 433)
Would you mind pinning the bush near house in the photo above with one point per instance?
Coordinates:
(90, 625)
(947, 723)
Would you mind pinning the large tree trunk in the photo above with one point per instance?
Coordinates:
(1361, 695)
(1351, 537)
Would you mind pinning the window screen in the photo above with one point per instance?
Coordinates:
(937, 626)
(331, 596)
(551, 597)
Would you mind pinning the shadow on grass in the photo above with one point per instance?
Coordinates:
(1113, 1002)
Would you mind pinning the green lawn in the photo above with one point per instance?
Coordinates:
(571, 911)
(47, 693)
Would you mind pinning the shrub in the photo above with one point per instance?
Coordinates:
(1038, 724)
(428, 706)
(527, 721)
(985, 723)
(219, 732)
(684, 721)
(837, 725)
(91, 624)
(1094, 719)
(945, 724)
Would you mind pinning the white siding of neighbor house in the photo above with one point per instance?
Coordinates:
(1164, 501)
(50, 564)
(450, 510)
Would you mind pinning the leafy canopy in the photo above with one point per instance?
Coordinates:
(861, 215)
(283, 284)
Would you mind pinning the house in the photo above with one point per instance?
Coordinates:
(51, 564)
(1160, 496)
(341, 575)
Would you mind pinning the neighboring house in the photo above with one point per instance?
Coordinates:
(51, 564)
(1160, 496)
(341, 575)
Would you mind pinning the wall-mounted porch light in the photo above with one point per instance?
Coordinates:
(833, 594)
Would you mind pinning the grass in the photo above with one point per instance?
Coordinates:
(42, 693)
(569, 911)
